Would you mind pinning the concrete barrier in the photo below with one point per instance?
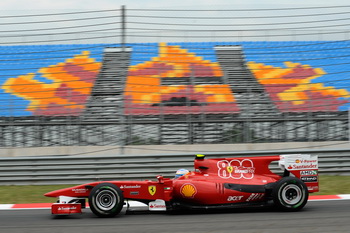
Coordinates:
(168, 149)
(80, 169)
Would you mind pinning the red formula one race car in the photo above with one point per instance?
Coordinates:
(214, 183)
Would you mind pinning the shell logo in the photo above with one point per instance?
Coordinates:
(297, 161)
(188, 190)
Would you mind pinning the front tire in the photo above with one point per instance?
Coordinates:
(106, 200)
(290, 194)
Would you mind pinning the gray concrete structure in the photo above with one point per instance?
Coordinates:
(169, 149)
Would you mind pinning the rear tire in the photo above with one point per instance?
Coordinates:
(290, 194)
(106, 200)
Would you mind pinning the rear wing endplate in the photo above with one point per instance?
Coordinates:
(302, 166)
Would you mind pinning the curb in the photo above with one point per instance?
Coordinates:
(48, 205)
(330, 197)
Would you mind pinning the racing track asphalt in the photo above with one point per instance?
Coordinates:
(317, 216)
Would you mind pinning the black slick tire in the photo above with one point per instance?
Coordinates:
(106, 200)
(290, 194)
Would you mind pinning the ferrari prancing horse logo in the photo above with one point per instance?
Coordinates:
(230, 169)
(152, 189)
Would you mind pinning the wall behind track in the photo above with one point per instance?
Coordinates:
(169, 149)
(44, 170)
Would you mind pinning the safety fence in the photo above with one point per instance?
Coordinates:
(44, 170)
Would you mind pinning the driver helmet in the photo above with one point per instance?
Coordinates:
(181, 172)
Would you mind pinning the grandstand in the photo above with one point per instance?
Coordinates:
(174, 92)
(204, 87)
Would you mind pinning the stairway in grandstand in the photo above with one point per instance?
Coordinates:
(250, 95)
(106, 95)
(189, 133)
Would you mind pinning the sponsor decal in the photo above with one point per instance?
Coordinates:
(134, 193)
(234, 198)
(81, 190)
(130, 186)
(311, 188)
(302, 162)
(67, 208)
(188, 190)
(157, 205)
(255, 196)
(296, 167)
(309, 178)
(309, 173)
(236, 169)
(152, 189)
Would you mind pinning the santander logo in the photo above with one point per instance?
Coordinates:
(298, 162)
(157, 206)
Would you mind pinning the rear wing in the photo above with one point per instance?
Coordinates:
(302, 166)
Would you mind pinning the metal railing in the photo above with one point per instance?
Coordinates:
(82, 169)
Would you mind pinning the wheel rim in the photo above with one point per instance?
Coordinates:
(106, 200)
(291, 194)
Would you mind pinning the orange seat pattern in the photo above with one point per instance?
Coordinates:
(144, 93)
(71, 85)
(292, 90)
